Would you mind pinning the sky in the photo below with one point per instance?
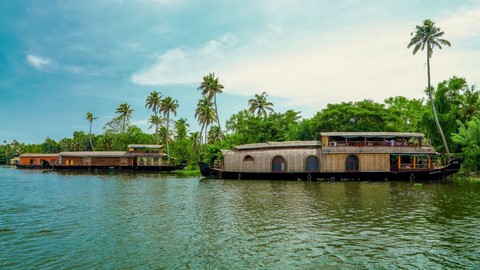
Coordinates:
(62, 59)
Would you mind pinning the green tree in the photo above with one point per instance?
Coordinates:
(470, 104)
(125, 113)
(210, 87)
(90, 119)
(429, 36)
(468, 137)
(168, 106)
(260, 105)
(408, 113)
(155, 121)
(205, 114)
(215, 134)
(181, 126)
(154, 103)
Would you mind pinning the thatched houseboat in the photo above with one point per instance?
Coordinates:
(36, 161)
(335, 156)
(139, 157)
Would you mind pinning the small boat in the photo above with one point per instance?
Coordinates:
(139, 157)
(336, 156)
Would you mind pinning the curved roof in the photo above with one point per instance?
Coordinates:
(385, 135)
(291, 144)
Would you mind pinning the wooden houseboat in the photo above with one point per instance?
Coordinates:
(139, 157)
(36, 161)
(336, 156)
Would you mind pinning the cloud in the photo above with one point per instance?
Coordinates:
(38, 62)
(179, 66)
(313, 68)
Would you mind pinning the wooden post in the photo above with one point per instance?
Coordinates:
(399, 161)
(414, 162)
(429, 162)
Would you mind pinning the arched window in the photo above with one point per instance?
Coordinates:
(351, 164)
(311, 164)
(248, 158)
(278, 164)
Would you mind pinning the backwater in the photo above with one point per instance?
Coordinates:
(159, 221)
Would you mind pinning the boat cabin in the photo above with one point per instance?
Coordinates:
(335, 152)
(37, 160)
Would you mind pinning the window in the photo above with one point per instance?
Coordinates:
(87, 161)
(278, 164)
(123, 161)
(248, 158)
(351, 164)
(311, 164)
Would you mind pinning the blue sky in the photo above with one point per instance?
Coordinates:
(61, 59)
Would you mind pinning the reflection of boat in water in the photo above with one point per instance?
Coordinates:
(336, 156)
(137, 158)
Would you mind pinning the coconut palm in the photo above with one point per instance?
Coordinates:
(210, 87)
(260, 105)
(125, 113)
(90, 119)
(429, 36)
(215, 134)
(181, 126)
(205, 114)
(470, 104)
(155, 121)
(168, 106)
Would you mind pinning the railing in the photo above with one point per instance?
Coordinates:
(373, 144)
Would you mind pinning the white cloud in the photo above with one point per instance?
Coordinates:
(38, 62)
(320, 67)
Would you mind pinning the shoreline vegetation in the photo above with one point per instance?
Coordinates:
(453, 105)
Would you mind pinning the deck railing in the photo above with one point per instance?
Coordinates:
(372, 144)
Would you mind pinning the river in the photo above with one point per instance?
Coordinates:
(157, 221)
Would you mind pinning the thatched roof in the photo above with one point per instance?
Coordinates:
(286, 144)
(95, 154)
(146, 146)
(385, 135)
(38, 155)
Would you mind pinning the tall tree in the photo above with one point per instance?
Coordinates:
(470, 104)
(125, 113)
(210, 87)
(168, 106)
(260, 105)
(429, 36)
(181, 126)
(205, 114)
(90, 119)
(155, 121)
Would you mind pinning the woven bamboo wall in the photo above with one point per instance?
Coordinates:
(368, 162)
(295, 160)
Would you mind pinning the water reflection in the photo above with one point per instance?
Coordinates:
(157, 221)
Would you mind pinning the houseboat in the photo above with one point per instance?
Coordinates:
(336, 156)
(139, 157)
(36, 161)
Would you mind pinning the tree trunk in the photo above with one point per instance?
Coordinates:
(433, 108)
(167, 139)
(216, 112)
(90, 135)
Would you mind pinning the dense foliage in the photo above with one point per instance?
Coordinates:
(457, 104)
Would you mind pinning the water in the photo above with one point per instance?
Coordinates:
(151, 221)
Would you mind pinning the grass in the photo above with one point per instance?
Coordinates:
(188, 173)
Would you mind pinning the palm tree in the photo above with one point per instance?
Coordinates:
(90, 119)
(181, 128)
(205, 114)
(125, 113)
(260, 105)
(168, 106)
(470, 104)
(210, 87)
(429, 36)
(215, 134)
(155, 121)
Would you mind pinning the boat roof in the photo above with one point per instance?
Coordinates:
(372, 134)
(278, 144)
(96, 154)
(147, 146)
(38, 155)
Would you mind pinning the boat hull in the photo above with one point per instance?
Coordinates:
(120, 168)
(404, 175)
